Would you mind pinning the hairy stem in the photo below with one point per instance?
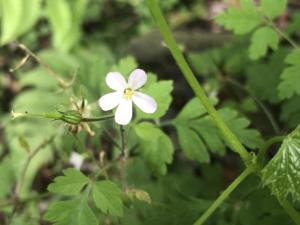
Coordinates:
(193, 82)
(224, 195)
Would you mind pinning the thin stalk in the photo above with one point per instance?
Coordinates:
(62, 83)
(294, 214)
(224, 195)
(193, 82)
(268, 114)
(124, 157)
(263, 151)
(27, 163)
(283, 35)
(96, 119)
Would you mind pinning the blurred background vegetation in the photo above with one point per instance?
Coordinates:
(78, 42)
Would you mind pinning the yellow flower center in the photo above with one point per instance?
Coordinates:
(128, 92)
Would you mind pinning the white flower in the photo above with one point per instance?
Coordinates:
(126, 93)
(76, 160)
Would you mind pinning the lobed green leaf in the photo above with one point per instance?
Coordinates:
(107, 197)
(240, 20)
(70, 184)
(262, 39)
(282, 173)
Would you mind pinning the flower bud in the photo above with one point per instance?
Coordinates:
(72, 117)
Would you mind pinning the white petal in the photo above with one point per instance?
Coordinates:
(116, 81)
(146, 103)
(137, 79)
(123, 113)
(110, 101)
(76, 160)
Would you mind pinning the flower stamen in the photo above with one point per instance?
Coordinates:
(128, 92)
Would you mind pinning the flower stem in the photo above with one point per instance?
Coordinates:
(95, 119)
(193, 82)
(294, 214)
(224, 195)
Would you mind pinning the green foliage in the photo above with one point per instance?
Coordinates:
(81, 41)
(156, 147)
(290, 110)
(282, 172)
(11, 19)
(240, 20)
(194, 126)
(263, 38)
(18, 16)
(272, 10)
(107, 197)
(68, 212)
(290, 76)
(70, 184)
(270, 71)
(65, 18)
(7, 177)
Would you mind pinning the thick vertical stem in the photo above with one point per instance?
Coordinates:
(193, 82)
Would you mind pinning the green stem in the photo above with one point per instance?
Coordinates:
(294, 214)
(263, 151)
(49, 115)
(283, 35)
(193, 82)
(95, 119)
(224, 195)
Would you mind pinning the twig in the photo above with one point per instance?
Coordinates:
(27, 163)
(53, 74)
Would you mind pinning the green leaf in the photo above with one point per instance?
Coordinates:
(262, 39)
(239, 125)
(290, 111)
(191, 144)
(31, 13)
(107, 197)
(290, 77)
(70, 184)
(6, 176)
(125, 66)
(75, 212)
(161, 92)
(60, 18)
(197, 132)
(11, 17)
(272, 9)
(267, 74)
(77, 8)
(240, 20)
(156, 146)
(206, 63)
(282, 173)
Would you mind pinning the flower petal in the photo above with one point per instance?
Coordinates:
(116, 81)
(110, 101)
(137, 79)
(146, 103)
(123, 113)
